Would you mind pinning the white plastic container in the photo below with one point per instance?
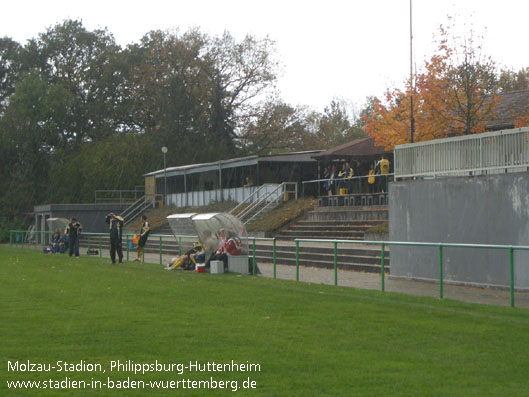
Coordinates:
(217, 267)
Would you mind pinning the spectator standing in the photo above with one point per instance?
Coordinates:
(73, 231)
(326, 175)
(371, 179)
(342, 183)
(384, 167)
(349, 173)
(144, 235)
(115, 225)
(332, 176)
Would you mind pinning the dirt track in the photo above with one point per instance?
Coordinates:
(489, 296)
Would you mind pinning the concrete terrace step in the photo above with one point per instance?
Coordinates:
(325, 257)
(362, 264)
(346, 213)
(325, 227)
(343, 248)
(328, 234)
(163, 230)
(335, 223)
(351, 257)
(338, 222)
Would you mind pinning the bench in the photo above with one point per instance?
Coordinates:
(238, 264)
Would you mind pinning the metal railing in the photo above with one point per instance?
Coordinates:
(511, 249)
(358, 183)
(499, 151)
(118, 196)
(439, 246)
(140, 205)
(264, 199)
(18, 237)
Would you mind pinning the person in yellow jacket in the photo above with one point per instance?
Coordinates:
(371, 179)
(384, 167)
(342, 183)
(144, 234)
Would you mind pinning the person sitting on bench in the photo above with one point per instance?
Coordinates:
(189, 259)
(230, 245)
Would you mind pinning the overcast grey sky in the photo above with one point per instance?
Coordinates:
(347, 49)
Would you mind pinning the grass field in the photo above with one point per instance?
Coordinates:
(308, 339)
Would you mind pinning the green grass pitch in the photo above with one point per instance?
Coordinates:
(304, 339)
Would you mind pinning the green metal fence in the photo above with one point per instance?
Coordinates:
(440, 246)
(18, 237)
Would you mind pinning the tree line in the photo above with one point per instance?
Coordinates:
(456, 92)
(79, 112)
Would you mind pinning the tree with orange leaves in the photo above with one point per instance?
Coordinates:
(522, 121)
(455, 95)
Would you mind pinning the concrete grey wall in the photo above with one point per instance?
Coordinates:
(91, 216)
(490, 209)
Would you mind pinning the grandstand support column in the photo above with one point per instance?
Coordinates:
(185, 189)
(220, 184)
(37, 228)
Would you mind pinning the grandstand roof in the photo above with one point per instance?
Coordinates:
(511, 106)
(294, 157)
(361, 147)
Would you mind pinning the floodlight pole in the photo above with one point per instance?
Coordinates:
(412, 119)
(164, 151)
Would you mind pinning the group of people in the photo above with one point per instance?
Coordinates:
(341, 181)
(69, 240)
(59, 243)
(229, 244)
(116, 223)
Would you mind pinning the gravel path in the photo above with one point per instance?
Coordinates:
(346, 278)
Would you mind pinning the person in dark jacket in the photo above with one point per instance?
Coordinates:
(115, 223)
(73, 231)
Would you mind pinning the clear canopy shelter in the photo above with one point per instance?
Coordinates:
(211, 228)
(57, 223)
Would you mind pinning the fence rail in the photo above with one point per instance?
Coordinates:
(118, 196)
(17, 236)
(500, 151)
(440, 246)
(264, 199)
(358, 184)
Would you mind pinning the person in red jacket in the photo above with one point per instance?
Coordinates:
(230, 245)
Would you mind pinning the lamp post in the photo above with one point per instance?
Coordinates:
(412, 119)
(164, 151)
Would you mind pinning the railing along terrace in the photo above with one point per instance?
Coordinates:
(357, 184)
(499, 151)
(118, 196)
